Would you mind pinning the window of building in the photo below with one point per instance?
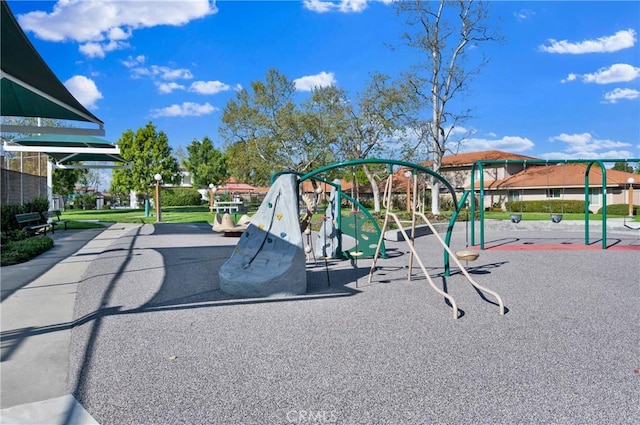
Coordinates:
(513, 196)
(595, 196)
(554, 193)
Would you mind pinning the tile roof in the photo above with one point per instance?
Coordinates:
(307, 186)
(561, 175)
(235, 187)
(468, 158)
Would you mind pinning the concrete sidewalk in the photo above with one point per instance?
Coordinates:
(38, 299)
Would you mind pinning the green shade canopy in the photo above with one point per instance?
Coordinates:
(28, 86)
(64, 149)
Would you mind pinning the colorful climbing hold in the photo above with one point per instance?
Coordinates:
(270, 205)
(279, 216)
(260, 226)
(283, 235)
(269, 240)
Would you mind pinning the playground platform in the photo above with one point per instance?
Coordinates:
(154, 340)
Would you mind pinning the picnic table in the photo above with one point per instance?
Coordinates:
(227, 206)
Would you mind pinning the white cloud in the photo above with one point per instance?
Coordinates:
(570, 77)
(97, 50)
(131, 62)
(344, 6)
(309, 82)
(84, 90)
(616, 73)
(585, 145)
(506, 143)
(209, 87)
(102, 25)
(620, 40)
(523, 14)
(166, 88)
(618, 93)
(162, 72)
(587, 155)
(186, 109)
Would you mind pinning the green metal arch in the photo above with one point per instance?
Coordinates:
(353, 162)
(478, 165)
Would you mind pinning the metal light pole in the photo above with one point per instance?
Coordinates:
(158, 177)
(631, 181)
(212, 190)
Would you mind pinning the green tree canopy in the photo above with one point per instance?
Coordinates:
(205, 163)
(64, 180)
(266, 131)
(623, 166)
(149, 153)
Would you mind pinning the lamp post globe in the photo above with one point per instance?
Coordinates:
(158, 178)
(408, 175)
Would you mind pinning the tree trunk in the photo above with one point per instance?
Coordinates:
(435, 185)
(374, 188)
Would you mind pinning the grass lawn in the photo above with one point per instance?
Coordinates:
(169, 214)
(545, 216)
(200, 214)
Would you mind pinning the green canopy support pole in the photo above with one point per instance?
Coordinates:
(604, 202)
(447, 239)
(481, 206)
(473, 204)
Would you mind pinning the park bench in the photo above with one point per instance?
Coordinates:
(54, 219)
(32, 222)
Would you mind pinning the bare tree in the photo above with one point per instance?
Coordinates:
(443, 31)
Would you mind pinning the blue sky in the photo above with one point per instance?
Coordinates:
(565, 83)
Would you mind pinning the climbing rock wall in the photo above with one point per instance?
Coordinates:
(269, 258)
(327, 237)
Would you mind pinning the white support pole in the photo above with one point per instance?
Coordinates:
(50, 183)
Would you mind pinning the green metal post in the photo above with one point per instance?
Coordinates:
(586, 207)
(604, 205)
(481, 207)
(339, 220)
(447, 238)
(473, 204)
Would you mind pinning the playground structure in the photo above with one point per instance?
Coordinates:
(270, 257)
(555, 218)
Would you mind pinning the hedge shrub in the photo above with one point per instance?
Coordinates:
(620, 209)
(180, 197)
(546, 206)
(21, 251)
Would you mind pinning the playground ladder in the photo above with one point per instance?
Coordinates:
(414, 253)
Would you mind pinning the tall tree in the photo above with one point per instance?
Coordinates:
(205, 163)
(149, 153)
(64, 180)
(442, 32)
(384, 110)
(271, 130)
(623, 166)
